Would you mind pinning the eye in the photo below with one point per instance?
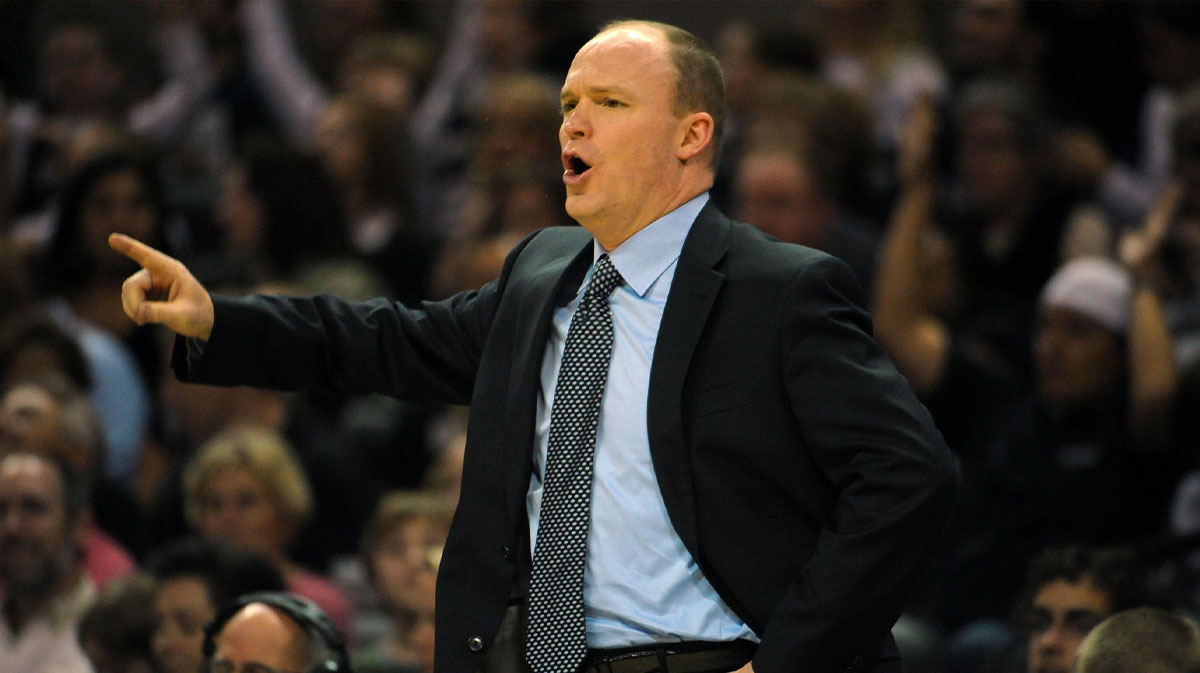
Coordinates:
(567, 106)
(611, 103)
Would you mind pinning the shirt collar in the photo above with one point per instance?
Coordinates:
(643, 257)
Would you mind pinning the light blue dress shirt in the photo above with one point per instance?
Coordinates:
(640, 584)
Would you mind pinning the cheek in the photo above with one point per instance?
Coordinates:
(390, 569)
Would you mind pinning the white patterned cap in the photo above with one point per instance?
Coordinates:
(1094, 286)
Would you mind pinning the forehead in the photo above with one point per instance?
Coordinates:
(29, 475)
(29, 400)
(1063, 595)
(261, 634)
(622, 57)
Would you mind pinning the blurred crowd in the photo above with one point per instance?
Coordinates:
(1015, 184)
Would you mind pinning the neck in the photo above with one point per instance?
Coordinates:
(611, 234)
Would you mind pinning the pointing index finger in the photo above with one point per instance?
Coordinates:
(146, 256)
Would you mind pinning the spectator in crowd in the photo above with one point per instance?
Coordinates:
(877, 51)
(362, 145)
(47, 415)
(1095, 433)
(994, 39)
(280, 211)
(45, 590)
(1067, 592)
(1087, 458)
(247, 487)
(193, 578)
(787, 191)
(401, 547)
(1141, 640)
(1011, 222)
(82, 80)
(274, 631)
(115, 631)
(1170, 236)
(116, 191)
(1170, 51)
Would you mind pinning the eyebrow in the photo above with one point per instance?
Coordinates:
(595, 91)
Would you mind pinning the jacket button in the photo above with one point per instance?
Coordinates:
(507, 553)
(475, 643)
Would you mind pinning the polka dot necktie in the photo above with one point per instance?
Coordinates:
(557, 640)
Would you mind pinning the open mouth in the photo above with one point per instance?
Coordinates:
(575, 166)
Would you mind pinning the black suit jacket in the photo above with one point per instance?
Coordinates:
(798, 468)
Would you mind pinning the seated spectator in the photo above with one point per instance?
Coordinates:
(274, 631)
(1141, 640)
(115, 632)
(46, 591)
(117, 191)
(785, 194)
(401, 546)
(247, 487)
(1067, 592)
(193, 578)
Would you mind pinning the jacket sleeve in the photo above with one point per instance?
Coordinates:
(893, 475)
(429, 352)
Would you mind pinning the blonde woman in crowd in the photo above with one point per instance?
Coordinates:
(246, 486)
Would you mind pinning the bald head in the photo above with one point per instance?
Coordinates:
(1142, 640)
(699, 84)
(261, 635)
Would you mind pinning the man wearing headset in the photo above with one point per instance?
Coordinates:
(273, 632)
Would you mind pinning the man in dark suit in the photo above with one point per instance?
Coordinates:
(765, 484)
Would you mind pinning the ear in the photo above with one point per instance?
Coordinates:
(697, 135)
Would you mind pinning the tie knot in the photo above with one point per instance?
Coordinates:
(605, 279)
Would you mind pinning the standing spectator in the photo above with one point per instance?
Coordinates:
(280, 211)
(46, 590)
(82, 80)
(362, 145)
(1087, 459)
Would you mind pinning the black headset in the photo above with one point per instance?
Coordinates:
(304, 612)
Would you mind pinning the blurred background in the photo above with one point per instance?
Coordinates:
(1016, 186)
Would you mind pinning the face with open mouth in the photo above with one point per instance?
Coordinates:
(620, 136)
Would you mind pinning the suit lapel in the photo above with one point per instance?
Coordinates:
(540, 295)
(693, 292)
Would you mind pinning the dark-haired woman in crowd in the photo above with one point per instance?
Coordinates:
(118, 191)
(193, 579)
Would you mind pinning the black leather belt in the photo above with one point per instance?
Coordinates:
(671, 658)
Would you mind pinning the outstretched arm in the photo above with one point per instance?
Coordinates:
(164, 291)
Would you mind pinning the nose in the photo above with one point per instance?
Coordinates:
(1050, 641)
(575, 124)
